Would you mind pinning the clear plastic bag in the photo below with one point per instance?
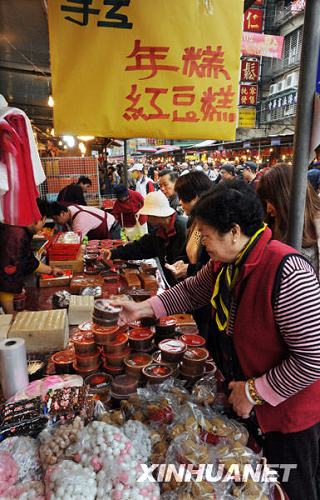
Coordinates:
(69, 480)
(24, 451)
(8, 472)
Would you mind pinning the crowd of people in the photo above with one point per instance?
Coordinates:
(221, 236)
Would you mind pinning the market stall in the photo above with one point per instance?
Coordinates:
(102, 399)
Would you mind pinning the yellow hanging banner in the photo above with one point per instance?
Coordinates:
(146, 68)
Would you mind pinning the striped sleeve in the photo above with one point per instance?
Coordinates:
(297, 314)
(192, 293)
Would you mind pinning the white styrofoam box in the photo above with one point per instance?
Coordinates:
(80, 309)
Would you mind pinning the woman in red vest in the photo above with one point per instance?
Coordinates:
(265, 329)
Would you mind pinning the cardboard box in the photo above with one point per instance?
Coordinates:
(76, 265)
(48, 280)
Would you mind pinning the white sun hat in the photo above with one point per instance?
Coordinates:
(136, 166)
(157, 204)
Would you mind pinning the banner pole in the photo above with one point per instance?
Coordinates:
(303, 124)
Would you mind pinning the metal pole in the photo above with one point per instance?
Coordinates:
(303, 124)
(125, 162)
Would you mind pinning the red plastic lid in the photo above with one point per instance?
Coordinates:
(63, 357)
(198, 353)
(96, 379)
(167, 321)
(140, 334)
(173, 346)
(138, 359)
(120, 339)
(107, 330)
(83, 338)
(86, 326)
(157, 370)
(193, 340)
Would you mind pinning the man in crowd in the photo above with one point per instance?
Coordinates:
(227, 172)
(125, 211)
(167, 180)
(249, 173)
(144, 184)
(74, 193)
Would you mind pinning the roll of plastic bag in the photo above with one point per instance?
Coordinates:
(13, 366)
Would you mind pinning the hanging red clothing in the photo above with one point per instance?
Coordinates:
(18, 203)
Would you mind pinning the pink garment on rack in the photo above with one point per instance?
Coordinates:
(19, 204)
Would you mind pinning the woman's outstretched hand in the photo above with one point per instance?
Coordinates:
(132, 311)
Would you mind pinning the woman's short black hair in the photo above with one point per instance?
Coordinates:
(55, 209)
(230, 203)
(191, 185)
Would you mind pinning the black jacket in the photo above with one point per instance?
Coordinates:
(72, 195)
(16, 257)
(151, 246)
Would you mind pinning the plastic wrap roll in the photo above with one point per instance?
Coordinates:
(13, 366)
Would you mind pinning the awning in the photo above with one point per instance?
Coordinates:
(203, 144)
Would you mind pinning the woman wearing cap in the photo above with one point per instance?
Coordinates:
(125, 210)
(167, 240)
(265, 327)
(144, 184)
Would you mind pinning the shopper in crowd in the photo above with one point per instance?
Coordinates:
(274, 191)
(126, 209)
(144, 184)
(17, 259)
(74, 193)
(167, 180)
(166, 241)
(92, 222)
(227, 172)
(249, 173)
(314, 179)
(189, 189)
(266, 301)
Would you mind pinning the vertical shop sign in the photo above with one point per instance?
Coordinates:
(117, 72)
(248, 95)
(249, 70)
(253, 20)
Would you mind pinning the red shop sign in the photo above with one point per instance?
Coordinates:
(253, 20)
(249, 70)
(248, 95)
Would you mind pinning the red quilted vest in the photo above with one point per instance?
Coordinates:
(258, 343)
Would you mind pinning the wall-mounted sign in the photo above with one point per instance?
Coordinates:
(253, 20)
(258, 44)
(247, 117)
(249, 71)
(248, 95)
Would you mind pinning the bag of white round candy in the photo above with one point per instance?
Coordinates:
(140, 437)
(70, 481)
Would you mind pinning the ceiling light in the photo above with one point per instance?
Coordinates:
(50, 101)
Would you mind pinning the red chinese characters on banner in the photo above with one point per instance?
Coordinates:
(146, 59)
(253, 20)
(206, 62)
(248, 95)
(214, 106)
(249, 70)
(149, 103)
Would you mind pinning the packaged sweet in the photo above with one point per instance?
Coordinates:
(8, 472)
(22, 418)
(140, 437)
(65, 404)
(71, 481)
(54, 442)
(30, 490)
(205, 390)
(24, 451)
(42, 386)
(95, 291)
(61, 299)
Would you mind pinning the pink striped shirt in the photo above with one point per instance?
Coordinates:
(296, 313)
